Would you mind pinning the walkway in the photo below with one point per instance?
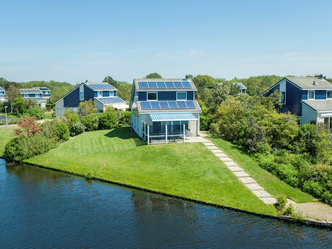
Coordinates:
(243, 176)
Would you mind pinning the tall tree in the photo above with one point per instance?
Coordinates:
(12, 93)
(153, 76)
(111, 81)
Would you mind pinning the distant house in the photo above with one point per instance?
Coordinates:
(2, 95)
(103, 95)
(239, 84)
(308, 97)
(35, 94)
(46, 93)
(164, 110)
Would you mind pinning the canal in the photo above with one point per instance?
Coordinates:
(47, 209)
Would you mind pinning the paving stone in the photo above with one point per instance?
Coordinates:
(235, 168)
(262, 194)
(247, 180)
(221, 154)
(212, 148)
(216, 152)
(241, 174)
(254, 186)
(207, 144)
(228, 164)
(269, 201)
(225, 159)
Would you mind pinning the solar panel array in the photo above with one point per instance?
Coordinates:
(2, 95)
(147, 105)
(1, 89)
(164, 84)
(101, 86)
(110, 100)
(30, 91)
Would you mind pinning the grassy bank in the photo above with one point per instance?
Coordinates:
(189, 170)
(268, 181)
(6, 133)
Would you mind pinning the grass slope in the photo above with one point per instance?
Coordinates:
(6, 133)
(271, 183)
(188, 169)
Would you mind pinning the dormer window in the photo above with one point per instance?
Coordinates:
(152, 96)
(311, 94)
(181, 96)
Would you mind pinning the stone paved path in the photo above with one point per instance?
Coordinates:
(243, 176)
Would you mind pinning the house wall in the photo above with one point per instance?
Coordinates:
(165, 95)
(99, 106)
(141, 96)
(59, 108)
(308, 115)
(293, 100)
(72, 99)
(88, 93)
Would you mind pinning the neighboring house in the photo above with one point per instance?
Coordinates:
(2, 95)
(35, 94)
(240, 85)
(308, 97)
(46, 93)
(164, 110)
(103, 95)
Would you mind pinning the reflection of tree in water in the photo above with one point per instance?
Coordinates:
(35, 175)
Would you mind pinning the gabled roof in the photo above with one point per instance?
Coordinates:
(323, 105)
(101, 86)
(161, 84)
(311, 83)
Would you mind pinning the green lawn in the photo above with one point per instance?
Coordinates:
(268, 181)
(8, 115)
(188, 169)
(6, 133)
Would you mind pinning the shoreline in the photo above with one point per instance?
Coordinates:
(307, 222)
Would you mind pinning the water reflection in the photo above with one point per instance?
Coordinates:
(46, 209)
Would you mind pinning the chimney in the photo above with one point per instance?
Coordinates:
(314, 83)
(187, 76)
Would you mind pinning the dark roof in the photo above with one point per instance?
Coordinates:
(323, 105)
(173, 84)
(311, 83)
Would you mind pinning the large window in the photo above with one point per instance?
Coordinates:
(81, 96)
(152, 96)
(311, 94)
(329, 94)
(106, 94)
(181, 96)
(283, 98)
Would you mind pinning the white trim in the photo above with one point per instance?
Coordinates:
(181, 99)
(326, 94)
(309, 94)
(147, 95)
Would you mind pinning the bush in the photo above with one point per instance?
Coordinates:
(124, 118)
(108, 120)
(35, 112)
(22, 148)
(91, 122)
(76, 129)
(214, 128)
(205, 122)
(62, 131)
(70, 118)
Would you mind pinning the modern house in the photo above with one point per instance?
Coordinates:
(46, 93)
(164, 110)
(103, 95)
(310, 98)
(242, 87)
(2, 94)
(35, 94)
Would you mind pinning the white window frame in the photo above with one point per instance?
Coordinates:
(181, 99)
(331, 94)
(283, 103)
(309, 94)
(147, 96)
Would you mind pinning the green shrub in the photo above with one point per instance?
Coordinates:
(281, 203)
(124, 118)
(62, 131)
(91, 122)
(214, 128)
(76, 129)
(108, 120)
(22, 148)
(312, 187)
(205, 122)
(71, 117)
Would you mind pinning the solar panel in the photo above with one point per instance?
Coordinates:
(190, 104)
(108, 100)
(155, 105)
(101, 86)
(161, 84)
(169, 84)
(164, 105)
(182, 104)
(173, 104)
(143, 84)
(186, 84)
(178, 84)
(145, 105)
(152, 84)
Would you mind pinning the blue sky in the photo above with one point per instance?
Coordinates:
(77, 40)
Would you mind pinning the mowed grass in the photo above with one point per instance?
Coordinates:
(6, 134)
(189, 170)
(269, 182)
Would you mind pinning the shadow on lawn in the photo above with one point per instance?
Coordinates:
(126, 133)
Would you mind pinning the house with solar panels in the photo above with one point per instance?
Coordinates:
(2, 94)
(103, 95)
(164, 110)
(46, 93)
(35, 94)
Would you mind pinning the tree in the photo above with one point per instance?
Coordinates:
(86, 107)
(12, 93)
(28, 127)
(111, 81)
(19, 106)
(153, 76)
